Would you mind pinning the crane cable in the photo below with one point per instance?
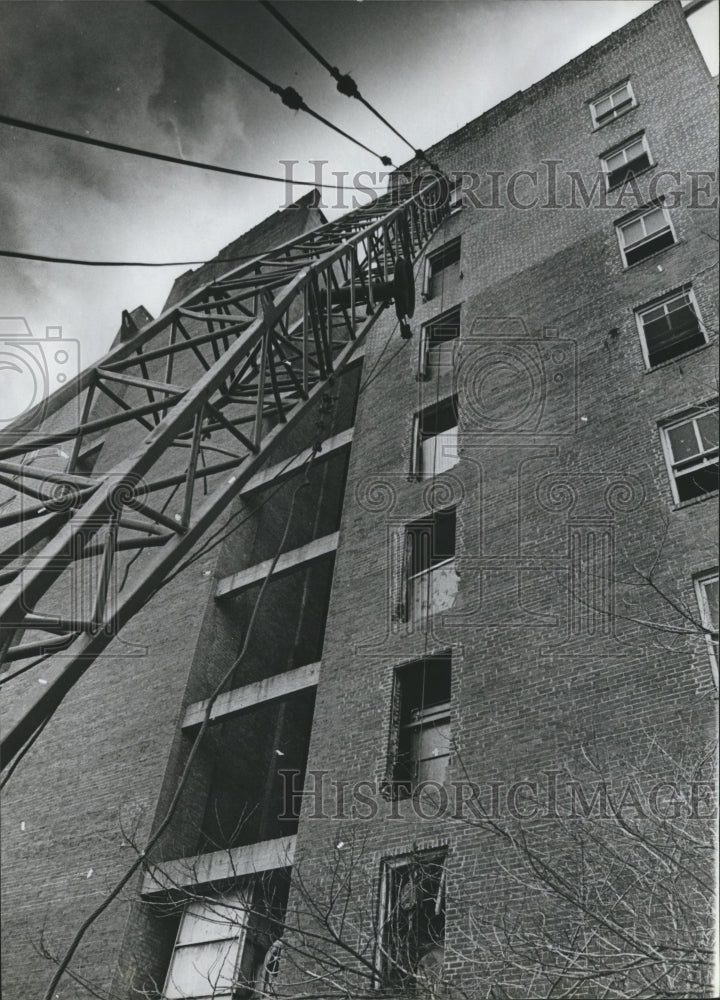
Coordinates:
(345, 83)
(288, 95)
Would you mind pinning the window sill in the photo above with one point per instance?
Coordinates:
(682, 504)
(678, 358)
(652, 256)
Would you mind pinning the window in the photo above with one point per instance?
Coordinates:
(412, 951)
(439, 340)
(456, 197)
(422, 740)
(222, 950)
(206, 957)
(691, 448)
(708, 595)
(436, 439)
(442, 269)
(645, 234)
(612, 104)
(430, 565)
(626, 160)
(670, 327)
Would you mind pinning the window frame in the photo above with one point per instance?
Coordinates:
(418, 527)
(391, 870)
(237, 898)
(700, 582)
(608, 92)
(686, 290)
(622, 224)
(677, 421)
(414, 708)
(620, 148)
(455, 202)
(445, 318)
(417, 469)
(429, 272)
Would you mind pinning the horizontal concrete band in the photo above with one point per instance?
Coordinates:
(264, 856)
(276, 473)
(231, 585)
(239, 699)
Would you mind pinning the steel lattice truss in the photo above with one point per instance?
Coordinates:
(203, 396)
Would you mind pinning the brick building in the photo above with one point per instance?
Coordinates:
(494, 604)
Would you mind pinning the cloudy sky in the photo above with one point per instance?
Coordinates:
(122, 71)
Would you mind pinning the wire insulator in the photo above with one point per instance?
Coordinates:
(386, 161)
(291, 99)
(346, 85)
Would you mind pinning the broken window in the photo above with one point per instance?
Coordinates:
(413, 927)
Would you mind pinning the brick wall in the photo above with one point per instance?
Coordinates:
(527, 693)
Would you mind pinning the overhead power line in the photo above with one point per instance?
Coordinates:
(166, 158)
(345, 83)
(17, 255)
(288, 95)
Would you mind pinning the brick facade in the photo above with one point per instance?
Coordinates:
(563, 502)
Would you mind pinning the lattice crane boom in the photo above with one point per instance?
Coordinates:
(202, 387)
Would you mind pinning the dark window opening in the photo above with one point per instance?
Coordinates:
(422, 740)
(649, 246)
(670, 328)
(413, 945)
(627, 170)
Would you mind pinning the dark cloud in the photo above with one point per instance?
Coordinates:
(53, 62)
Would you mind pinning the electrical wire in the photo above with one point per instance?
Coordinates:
(78, 261)
(119, 147)
(345, 83)
(288, 95)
